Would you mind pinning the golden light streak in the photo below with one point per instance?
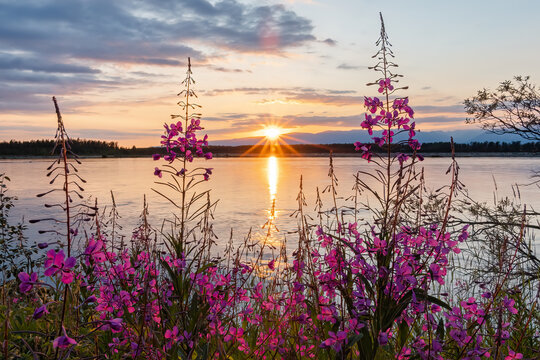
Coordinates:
(273, 172)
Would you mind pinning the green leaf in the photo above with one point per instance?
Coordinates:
(354, 339)
(403, 333)
(421, 294)
(440, 329)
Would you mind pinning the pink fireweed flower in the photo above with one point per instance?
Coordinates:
(207, 173)
(40, 311)
(27, 281)
(402, 122)
(115, 325)
(369, 123)
(414, 144)
(366, 150)
(411, 128)
(158, 172)
(382, 338)
(385, 84)
(402, 158)
(172, 334)
(509, 305)
(63, 341)
(378, 140)
(513, 355)
(335, 340)
(379, 246)
(388, 136)
(156, 156)
(234, 334)
(57, 264)
(372, 104)
(170, 158)
(94, 250)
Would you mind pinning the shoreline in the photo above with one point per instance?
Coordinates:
(307, 155)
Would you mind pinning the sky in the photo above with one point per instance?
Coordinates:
(116, 66)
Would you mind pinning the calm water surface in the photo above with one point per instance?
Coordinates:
(247, 187)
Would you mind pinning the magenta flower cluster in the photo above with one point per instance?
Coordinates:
(184, 145)
(127, 292)
(396, 115)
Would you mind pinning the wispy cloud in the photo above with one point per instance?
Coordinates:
(326, 99)
(351, 67)
(330, 42)
(436, 109)
(32, 63)
(439, 119)
(37, 131)
(226, 70)
(297, 95)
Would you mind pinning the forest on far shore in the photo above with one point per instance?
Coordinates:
(86, 147)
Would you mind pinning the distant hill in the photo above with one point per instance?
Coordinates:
(348, 137)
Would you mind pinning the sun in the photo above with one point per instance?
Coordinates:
(272, 132)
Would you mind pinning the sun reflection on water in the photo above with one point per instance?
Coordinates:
(272, 176)
(272, 172)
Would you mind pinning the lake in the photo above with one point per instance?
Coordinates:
(247, 187)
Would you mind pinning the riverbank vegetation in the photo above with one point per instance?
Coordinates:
(424, 276)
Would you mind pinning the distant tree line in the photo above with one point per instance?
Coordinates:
(437, 147)
(85, 147)
(45, 147)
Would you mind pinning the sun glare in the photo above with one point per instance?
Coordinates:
(272, 133)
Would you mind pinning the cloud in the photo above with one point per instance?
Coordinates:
(434, 109)
(342, 121)
(341, 92)
(254, 90)
(87, 43)
(351, 67)
(230, 116)
(439, 119)
(304, 95)
(330, 42)
(29, 98)
(13, 62)
(128, 31)
(326, 99)
(227, 70)
(48, 132)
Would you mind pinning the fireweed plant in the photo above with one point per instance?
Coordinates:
(352, 289)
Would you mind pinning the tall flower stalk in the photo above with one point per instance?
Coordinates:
(57, 264)
(181, 144)
(391, 116)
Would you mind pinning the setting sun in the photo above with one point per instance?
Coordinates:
(272, 133)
